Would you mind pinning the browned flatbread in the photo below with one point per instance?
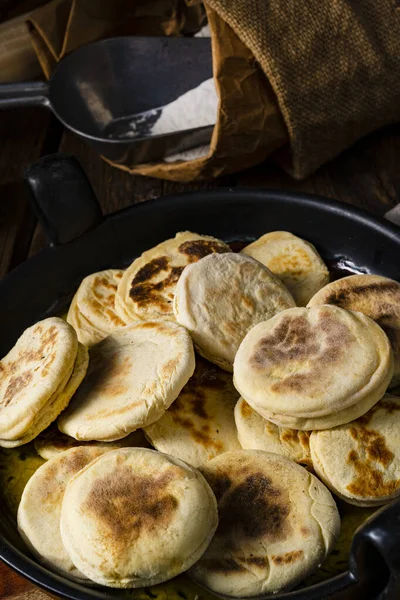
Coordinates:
(32, 375)
(375, 296)
(92, 312)
(277, 523)
(314, 368)
(257, 433)
(134, 376)
(200, 423)
(360, 461)
(147, 288)
(136, 519)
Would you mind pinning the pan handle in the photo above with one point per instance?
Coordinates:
(28, 93)
(377, 542)
(62, 198)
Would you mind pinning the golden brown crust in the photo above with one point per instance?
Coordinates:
(375, 296)
(253, 508)
(193, 401)
(295, 340)
(44, 353)
(129, 505)
(199, 424)
(359, 461)
(148, 286)
(137, 518)
(276, 524)
(294, 368)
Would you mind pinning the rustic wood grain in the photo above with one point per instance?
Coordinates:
(367, 175)
(10, 9)
(14, 587)
(25, 135)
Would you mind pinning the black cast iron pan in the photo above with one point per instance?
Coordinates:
(83, 241)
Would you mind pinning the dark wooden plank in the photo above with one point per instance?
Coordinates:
(15, 587)
(115, 189)
(25, 135)
(9, 9)
(367, 175)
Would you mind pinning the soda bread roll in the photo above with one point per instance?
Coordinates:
(222, 296)
(375, 296)
(295, 261)
(39, 511)
(277, 523)
(57, 403)
(360, 461)
(37, 379)
(134, 376)
(146, 290)
(136, 517)
(92, 312)
(199, 424)
(313, 363)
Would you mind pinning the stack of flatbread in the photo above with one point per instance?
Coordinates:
(295, 368)
(234, 367)
(38, 377)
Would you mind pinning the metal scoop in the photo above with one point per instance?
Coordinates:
(100, 89)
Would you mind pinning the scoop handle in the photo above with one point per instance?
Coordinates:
(62, 197)
(27, 93)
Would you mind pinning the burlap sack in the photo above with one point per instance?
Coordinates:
(334, 67)
(317, 74)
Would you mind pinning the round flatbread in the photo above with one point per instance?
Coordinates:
(339, 417)
(199, 424)
(52, 442)
(92, 312)
(295, 261)
(360, 461)
(136, 517)
(134, 376)
(298, 363)
(38, 366)
(222, 296)
(257, 433)
(57, 403)
(277, 523)
(375, 296)
(39, 511)
(147, 288)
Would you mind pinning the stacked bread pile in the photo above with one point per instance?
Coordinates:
(246, 372)
(38, 377)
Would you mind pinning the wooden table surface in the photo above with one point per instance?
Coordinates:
(367, 175)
